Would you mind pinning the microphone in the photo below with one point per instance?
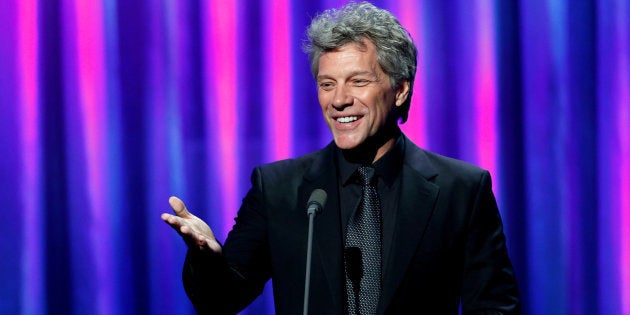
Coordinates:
(316, 202)
(314, 205)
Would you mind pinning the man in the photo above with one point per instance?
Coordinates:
(403, 231)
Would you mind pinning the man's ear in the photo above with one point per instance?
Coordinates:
(402, 93)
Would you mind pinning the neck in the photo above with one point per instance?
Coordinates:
(374, 147)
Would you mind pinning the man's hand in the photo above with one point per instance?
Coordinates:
(192, 229)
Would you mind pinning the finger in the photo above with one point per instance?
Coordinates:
(204, 243)
(175, 222)
(178, 207)
(186, 230)
(199, 240)
(214, 246)
(190, 237)
(171, 219)
(166, 217)
(181, 227)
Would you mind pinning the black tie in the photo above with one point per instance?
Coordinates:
(362, 254)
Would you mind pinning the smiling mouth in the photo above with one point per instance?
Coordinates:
(347, 119)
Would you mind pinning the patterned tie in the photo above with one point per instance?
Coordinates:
(362, 255)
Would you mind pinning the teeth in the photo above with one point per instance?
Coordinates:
(347, 119)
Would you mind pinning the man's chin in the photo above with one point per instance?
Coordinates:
(347, 144)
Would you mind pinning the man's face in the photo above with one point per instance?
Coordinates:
(355, 94)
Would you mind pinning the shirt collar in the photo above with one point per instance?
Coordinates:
(387, 167)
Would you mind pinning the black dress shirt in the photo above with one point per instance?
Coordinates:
(388, 169)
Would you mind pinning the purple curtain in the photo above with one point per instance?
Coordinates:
(110, 107)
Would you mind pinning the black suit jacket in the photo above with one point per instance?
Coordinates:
(448, 245)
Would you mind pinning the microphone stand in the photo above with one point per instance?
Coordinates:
(309, 249)
(315, 204)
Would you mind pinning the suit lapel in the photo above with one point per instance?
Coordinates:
(416, 206)
(327, 239)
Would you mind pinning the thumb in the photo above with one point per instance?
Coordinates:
(178, 207)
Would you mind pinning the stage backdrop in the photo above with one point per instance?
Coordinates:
(110, 107)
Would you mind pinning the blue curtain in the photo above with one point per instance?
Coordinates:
(110, 107)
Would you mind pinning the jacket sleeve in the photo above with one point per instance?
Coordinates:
(488, 282)
(227, 283)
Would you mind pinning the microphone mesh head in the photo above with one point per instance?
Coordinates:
(318, 196)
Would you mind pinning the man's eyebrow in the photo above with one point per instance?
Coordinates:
(322, 77)
(352, 74)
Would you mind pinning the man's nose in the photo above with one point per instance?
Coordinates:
(342, 98)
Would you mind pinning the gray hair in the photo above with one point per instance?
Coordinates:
(354, 22)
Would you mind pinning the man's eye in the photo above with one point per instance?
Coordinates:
(360, 82)
(326, 85)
